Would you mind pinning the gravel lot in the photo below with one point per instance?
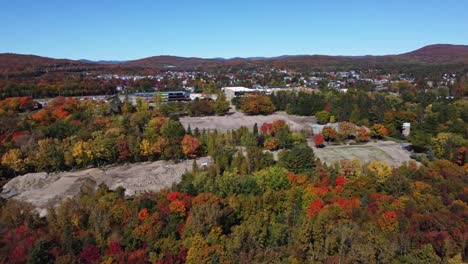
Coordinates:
(238, 119)
(388, 151)
(40, 189)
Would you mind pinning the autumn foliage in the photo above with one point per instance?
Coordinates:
(362, 135)
(379, 131)
(271, 143)
(329, 133)
(314, 208)
(190, 146)
(318, 140)
(353, 205)
(266, 129)
(257, 104)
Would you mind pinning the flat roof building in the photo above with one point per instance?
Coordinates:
(238, 91)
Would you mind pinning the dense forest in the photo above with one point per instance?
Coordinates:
(266, 198)
(248, 209)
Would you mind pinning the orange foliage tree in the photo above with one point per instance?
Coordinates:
(190, 146)
(388, 221)
(362, 135)
(271, 143)
(257, 104)
(346, 129)
(277, 124)
(379, 131)
(329, 133)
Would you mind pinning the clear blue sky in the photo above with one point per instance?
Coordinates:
(123, 30)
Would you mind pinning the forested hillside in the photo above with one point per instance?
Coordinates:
(244, 212)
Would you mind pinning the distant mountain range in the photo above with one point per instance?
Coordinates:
(103, 61)
(432, 54)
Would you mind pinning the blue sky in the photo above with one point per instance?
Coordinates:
(124, 30)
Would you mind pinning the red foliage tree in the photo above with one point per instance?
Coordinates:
(18, 255)
(266, 129)
(26, 103)
(124, 152)
(340, 180)
(17, 242)
(314, 208)
(137, 257)
(115, 250)
(90, 254)
(348, 205)
(318, 140)
(172, 196)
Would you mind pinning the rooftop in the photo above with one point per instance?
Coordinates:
(239, 89)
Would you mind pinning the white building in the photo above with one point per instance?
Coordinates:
(232, 92)
(406, 129)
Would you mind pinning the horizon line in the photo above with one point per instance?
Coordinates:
(226, 58)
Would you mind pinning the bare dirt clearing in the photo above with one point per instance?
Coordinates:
(387, 151)
(236, 120)
(40, 189)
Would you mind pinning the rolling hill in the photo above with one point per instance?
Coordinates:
(428, 55)
(433, 54)
(24, 62)
(440, 53)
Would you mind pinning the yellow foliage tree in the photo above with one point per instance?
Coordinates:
(82, 153)
(13, 159)
(380, 169)
(146, 148)
(160, 144)
(142, 106)
(199, 250)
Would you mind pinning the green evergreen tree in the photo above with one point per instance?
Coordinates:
(221, 105)
(255, 129)
(189, 130)
(300, 159)
(40, 253)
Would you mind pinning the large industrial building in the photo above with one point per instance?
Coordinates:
(232, 92)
